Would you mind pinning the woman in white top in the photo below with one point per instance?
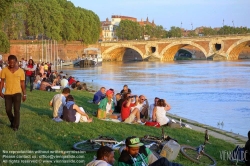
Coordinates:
(159, 113)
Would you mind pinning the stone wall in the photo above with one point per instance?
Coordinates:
(29, 48)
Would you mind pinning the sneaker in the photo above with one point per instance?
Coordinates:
(173, 120)
(140, 122)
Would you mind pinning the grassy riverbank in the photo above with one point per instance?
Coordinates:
(40, 139)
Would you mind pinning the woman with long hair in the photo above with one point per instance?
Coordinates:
(30, 71)
(159, 112)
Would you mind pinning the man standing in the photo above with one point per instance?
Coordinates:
(105, 157)
(14, 78)
(135, 153)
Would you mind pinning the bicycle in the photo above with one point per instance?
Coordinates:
(155, 144)
(196, 155)
(93, 145)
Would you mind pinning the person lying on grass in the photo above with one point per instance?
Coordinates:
(73, 113)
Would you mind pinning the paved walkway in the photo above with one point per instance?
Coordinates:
(215, 132)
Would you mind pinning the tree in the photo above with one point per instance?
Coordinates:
(174, 32)
(209, 31)
(4, 43)
(44, 17)
(128, 30)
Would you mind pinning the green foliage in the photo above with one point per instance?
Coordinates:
(39, 132)
(4, 43)
(128, 30)
(175, 32)
(4, 8)
(192, 34)
(209, 31)
(227, 30)
(56, 19)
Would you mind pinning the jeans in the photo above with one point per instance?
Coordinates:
(163, 162)
(29, 79)
(13, 100)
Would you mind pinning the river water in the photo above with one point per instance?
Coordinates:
(209, 92)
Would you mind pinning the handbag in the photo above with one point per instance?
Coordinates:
(154, 124)
(33, 74)
(101, 114)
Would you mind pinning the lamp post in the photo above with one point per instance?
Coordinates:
(233, 23)
(223, 26)
(181, 29)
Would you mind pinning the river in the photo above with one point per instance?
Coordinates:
(209, 92)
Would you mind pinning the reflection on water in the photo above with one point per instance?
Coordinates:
(206, 91)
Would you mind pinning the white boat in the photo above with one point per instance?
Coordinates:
(97, 58)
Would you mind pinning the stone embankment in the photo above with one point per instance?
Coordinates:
(233, 138)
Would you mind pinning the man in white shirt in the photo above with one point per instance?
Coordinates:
(142, 106)
(151, 108)
(64, 82)
(23, 63)
(58, 101)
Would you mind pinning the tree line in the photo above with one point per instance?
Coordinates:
(52, 19)
(207, 31)
(60, 20)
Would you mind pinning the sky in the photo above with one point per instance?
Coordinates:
(180, 13)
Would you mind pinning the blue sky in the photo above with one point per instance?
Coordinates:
(179, 13)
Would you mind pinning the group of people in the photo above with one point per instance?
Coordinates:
(130, 108)
(134, 153)
(65, 108)
(44, 77)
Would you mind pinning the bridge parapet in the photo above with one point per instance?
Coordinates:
(228, 47)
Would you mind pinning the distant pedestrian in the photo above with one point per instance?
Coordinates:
(14, 77)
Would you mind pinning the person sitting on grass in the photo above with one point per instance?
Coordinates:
(151, 108)
(106, 106)
(159, 113)
(57, 102)
(247, 150)
(99, 95)
(73, 113)
(105, 157)
(45, 86)
(142, 106)
(126, 115)
(117, 99)
(135, 153)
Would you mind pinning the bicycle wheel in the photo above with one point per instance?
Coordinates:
(87, 146)
(191, 153)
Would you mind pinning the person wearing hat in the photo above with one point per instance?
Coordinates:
(107, 106)
(136, 154)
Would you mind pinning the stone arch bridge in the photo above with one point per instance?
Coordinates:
(216, 47)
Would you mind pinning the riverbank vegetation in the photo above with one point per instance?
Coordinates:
(43, 136)
(52, 19)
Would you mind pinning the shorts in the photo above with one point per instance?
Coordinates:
(130, 119)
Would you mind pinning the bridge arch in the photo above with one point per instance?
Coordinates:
(234, 50)
(116, 53)
(168, 53)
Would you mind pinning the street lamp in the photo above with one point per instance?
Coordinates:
(233, 23)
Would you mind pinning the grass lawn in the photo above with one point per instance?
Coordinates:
(40, 139)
